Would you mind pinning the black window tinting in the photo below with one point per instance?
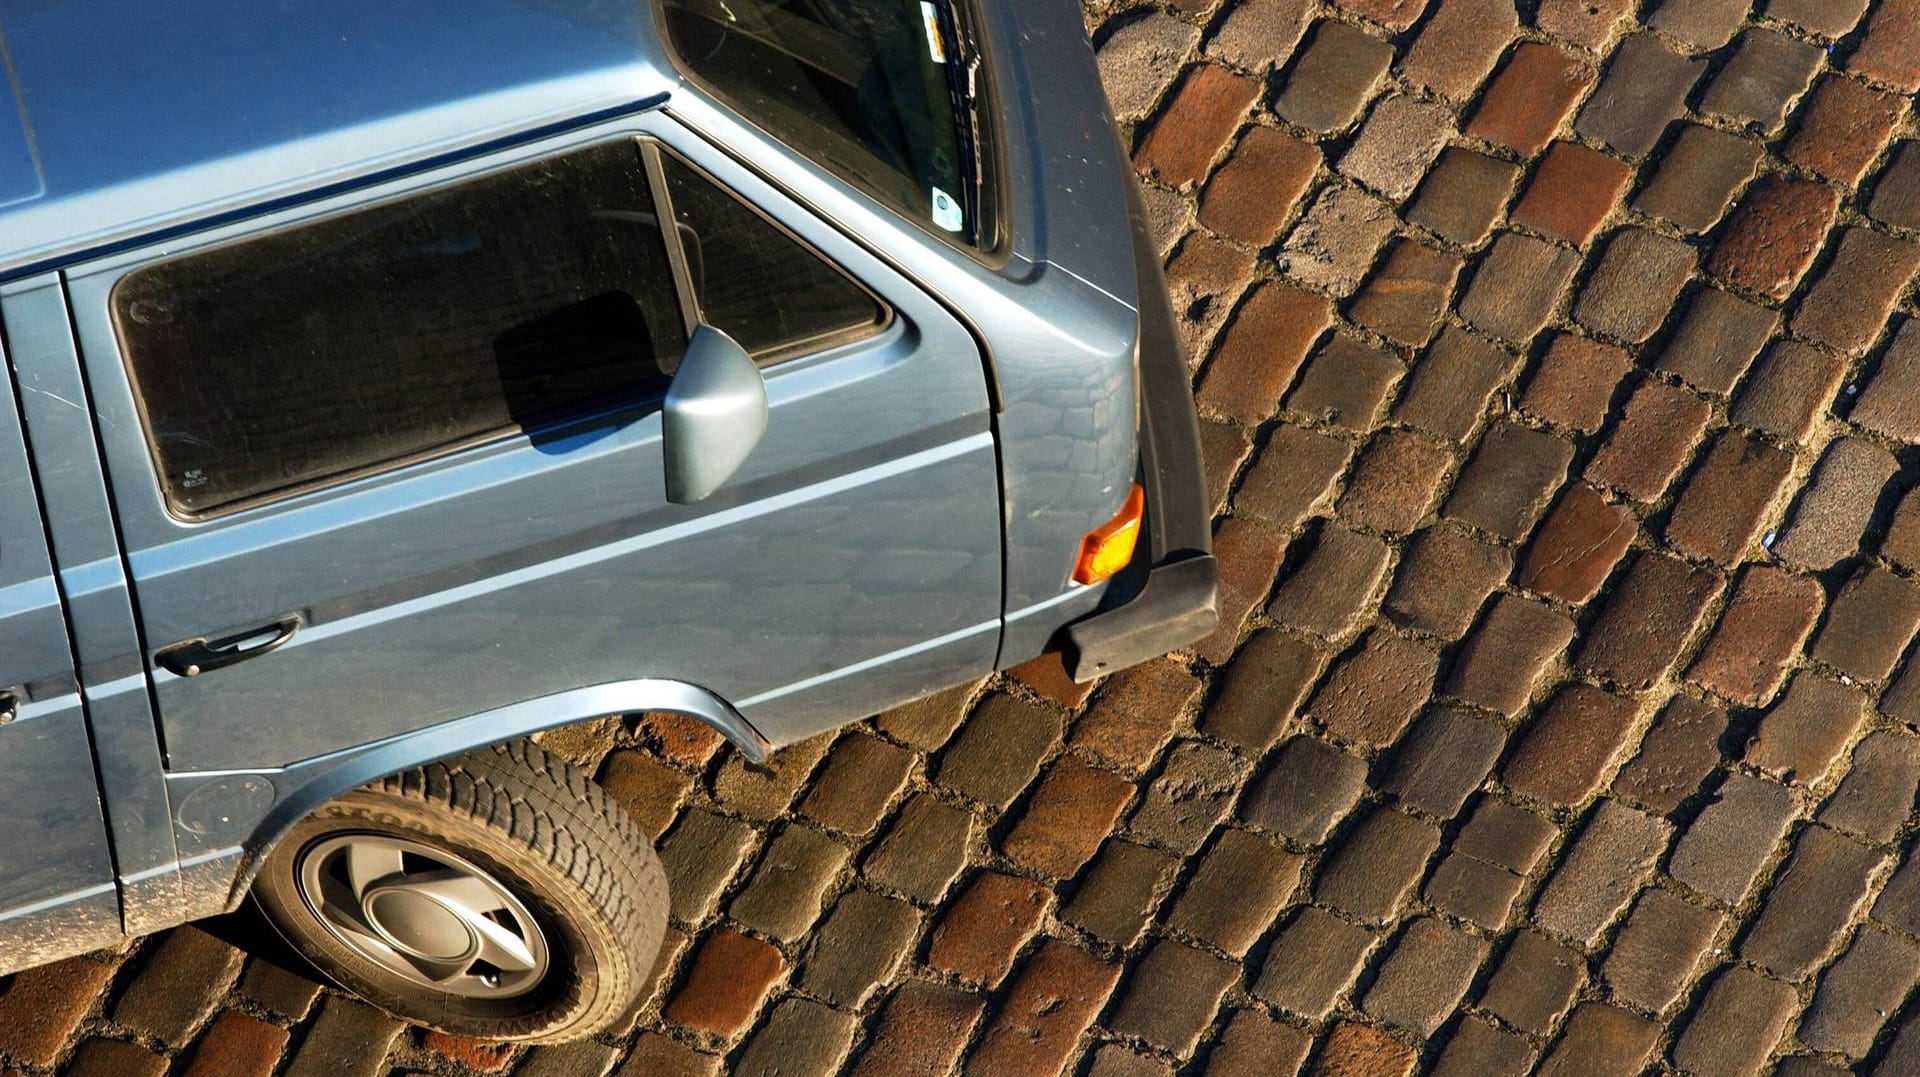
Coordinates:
(753, 280)
(862, 86)
(336, 346)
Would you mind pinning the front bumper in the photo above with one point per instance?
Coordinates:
(1168, 598)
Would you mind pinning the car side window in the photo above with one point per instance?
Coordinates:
(517, 300)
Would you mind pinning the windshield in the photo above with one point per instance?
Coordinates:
(871, 89)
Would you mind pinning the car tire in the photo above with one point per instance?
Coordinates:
(498, 895)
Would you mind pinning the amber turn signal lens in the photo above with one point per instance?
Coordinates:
(1106, 549)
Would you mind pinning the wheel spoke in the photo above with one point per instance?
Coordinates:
(472, 897)
(368, 862)
(501, 948)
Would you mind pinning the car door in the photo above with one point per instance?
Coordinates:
(402, 453)
(57, 891)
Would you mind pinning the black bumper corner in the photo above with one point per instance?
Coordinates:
(1168, 598)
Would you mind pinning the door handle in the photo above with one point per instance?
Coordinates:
(190, 658)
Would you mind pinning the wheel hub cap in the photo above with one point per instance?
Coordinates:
(423, 914)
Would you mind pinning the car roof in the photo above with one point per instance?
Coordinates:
(134, 118)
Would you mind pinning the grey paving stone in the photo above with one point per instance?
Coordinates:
(924, 850)
(1635, 284)
(1768, 70)
(1140, 60)
(350, 1039)
(1376, 865)
(1399, 141)
(1173, 995)
(1126, 884)
(1704, 24)
(1859, 993)
(1877, 796)
(1695, 180)
(1645, 88)
(1737, 1024)
(1257, 33)
(858, 948)
(1609, 861)
(783, 900)
(701, 854)
(802, 1039)
(1333, 77)
(1812, 902)
(1535, 982)
(1655, 956)
(1309, 786)
(1312, 963)
(1726, 845)
(1834, 511)
(1442, 760)
(1517, 285)
(1717, 340)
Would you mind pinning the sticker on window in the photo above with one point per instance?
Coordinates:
(947, 213)
(931, 16)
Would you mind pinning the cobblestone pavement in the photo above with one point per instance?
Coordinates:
(1561, 409)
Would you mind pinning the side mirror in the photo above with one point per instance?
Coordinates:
(716, 412)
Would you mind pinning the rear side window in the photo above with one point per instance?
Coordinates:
(513, 301)
(872, 89)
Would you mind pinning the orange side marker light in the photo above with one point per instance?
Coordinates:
(1106, 549)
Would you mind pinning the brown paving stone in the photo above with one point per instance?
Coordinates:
(1223, 448)
(1656, 954)
(921, 1032)
(1601, 1039)
(1575, 382)
(1704, 24)
(1568, 751)
(1635, 285)
(1393, 14)
(760, 792)
(1877, 796)
(42, 1007)
(1503, 834)
(1772, 237)
(1890, 406)
(1608, 862)
(1585, 22)
(1887, 53)
(1578, 545)
(99, 1057)
(1463, 195)
(1656, 433)
(1473, 890)
(1571, 192)
(1254, 193)
(1846, 308)
(1424, 975)
(1254, 1042)
(801, 1037)
(1442, 760)
(1345, 384)
(999, 750)
(924, 849)
(929, 722)
(1509, 480)
(1192, 793)
(1262, 690)
(1831, 18)
(1052, 1001)
(1249, 556)
(1240, 886)
(1676, 755)
(1647, 620)
(730, 976)
(1451, 384)
(861, 777)
(1535, 983)
(482, 1055)
(1203, 280)
(1356, 1050)
(1443, 578)
(1789, 389)
(1333, 77)
(979, 934)
(1530, 97)
(658, 1055)
(1377, 865)
(238, 1045)
(1695, 181)
(1405, 299)
(1803, 734)
(1842, 128)
(1203, 116)
(1728, 498)
(1725, 846)
(1458, 45)
(1172, 996)
(1336, 240)
(1869, 624)
(783, 898)
(1827, 522)
(1737, 1024)
(1767, 71)
(1764, 624)
(1813, 900)
(1293, 478)
(1314, 960)
(1896, 197)
(1137, 712)
(1478, 1049)
(1717, 340)
(1121, 891)
(1517, 286)
(1261, 351)
(1395, 481)
(1047, 675)
(1307, 787)
(1859, 992)
(1330, 591)
(1502, 659)
(859, 947)
(1071, 811)
(1372, 693)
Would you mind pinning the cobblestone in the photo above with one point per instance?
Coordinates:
(1517, 286)
(1464, 194)
(1725, 502)
(1843, 127)
(1658, 951)
(1771, 238)
(1846, 308)
(1395, 482)
(1608, 862)
(1173, 995)
(1313, 962)
(1737, 1024)
(1575, 382)
(1788, 390)
(1377, 866)
(1566, 754)
(1645, 89)
(1572, 191)
(1505, 486)
(1646, 622)
(1652, 442)
(1459, 45)
(1258, 33)
(1804, 733)
(1768, 70)
(1697, 179)
(1878, 792)
(1424, 976)
(1333, 78)
(1444, 578)
(1764, 624)
(1725, 847)
(1823, 883)
(1500, 662)
(1238, 890)
(1859, 992)
(1205, 111)
(1442, 760)
(1635, 285)
(1828, 521)
(1451, 385)
(1704, 24)
(1535, 983)
(1308, 787)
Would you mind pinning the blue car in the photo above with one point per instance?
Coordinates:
(390, 382)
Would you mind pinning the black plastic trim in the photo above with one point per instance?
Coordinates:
(1176, 602)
